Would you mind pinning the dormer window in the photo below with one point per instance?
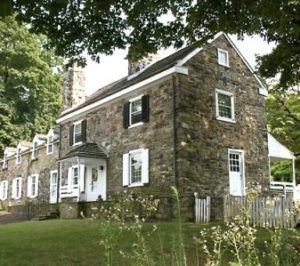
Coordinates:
(5, 164)
(223, 58)
(77, 133)
(35, 151)
(136, 111)
(50, 145)
(18, 156)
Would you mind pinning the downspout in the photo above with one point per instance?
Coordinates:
(174, 88)
(58, 169)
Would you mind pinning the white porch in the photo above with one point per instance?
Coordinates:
(83, 174)
(278, 152)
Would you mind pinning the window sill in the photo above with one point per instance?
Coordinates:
(136, 124)
(32, 197)
(224, 65)
(226, 119)
(136, 185)
(49, 153)
(77, 143)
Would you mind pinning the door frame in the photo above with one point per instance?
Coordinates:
(242, 157)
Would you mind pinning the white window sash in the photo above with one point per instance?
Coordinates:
(232, 107)
(127, 168)
(226, 63)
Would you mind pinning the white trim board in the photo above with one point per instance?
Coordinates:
(95, 105)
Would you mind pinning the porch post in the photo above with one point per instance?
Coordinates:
(294, 172)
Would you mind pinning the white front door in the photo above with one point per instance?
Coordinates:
(96, 182)
(53, 186)
(236, 173)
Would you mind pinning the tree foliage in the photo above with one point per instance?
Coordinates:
(102, 26)
(284, 122)
(30, 93)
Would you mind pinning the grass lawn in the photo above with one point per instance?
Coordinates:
(77, 242)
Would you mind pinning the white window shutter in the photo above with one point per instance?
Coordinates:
(5, 191)
(20, 188)
(36, 185)
(70, 178)
(29, 181)
(145, 166)
(1, 190)
(81, 177)
(13, 188)
(125, 169)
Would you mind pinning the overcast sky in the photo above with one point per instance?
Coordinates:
(114, 67)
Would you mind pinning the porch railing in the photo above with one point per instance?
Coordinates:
(69, 191)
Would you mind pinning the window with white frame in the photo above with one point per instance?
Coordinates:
(5, 163)
(18, 156)
(50, 145)
(136, 111)
(75, 175)
(32, 186)
(3, 190)
(77, 132)
(223, 58)
(136, 168)
(53, 186)
(17, 188)
(35, 151)
(225, 106)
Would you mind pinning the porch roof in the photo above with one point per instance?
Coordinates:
(277, 150)
(86, 150)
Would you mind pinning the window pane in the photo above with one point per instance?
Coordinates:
(234, 162)
(223, 58)
(224, 102)
(75, 176)
(136, 111)
(77, 133)
(136, 167)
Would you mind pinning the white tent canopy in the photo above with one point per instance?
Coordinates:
(277, 150)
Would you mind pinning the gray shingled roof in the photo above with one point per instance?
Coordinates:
(87, 150)
(124, 83)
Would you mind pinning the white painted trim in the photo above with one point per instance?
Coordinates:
(78, 122)
(138, 184)
(231, 95)
(263, 91)
(50, 144)
(136, 124)
(227, 57)
(95, 105)
(14, 196)
(29, 186)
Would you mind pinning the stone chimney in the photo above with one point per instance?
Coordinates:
(74, 86)
(134, 67)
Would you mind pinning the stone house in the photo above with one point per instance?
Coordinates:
(29, 172)
(195, 120)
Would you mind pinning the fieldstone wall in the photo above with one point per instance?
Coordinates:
(188, 146)
(28, 166)
(203, 141)
(74, 86)
(105, 127)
